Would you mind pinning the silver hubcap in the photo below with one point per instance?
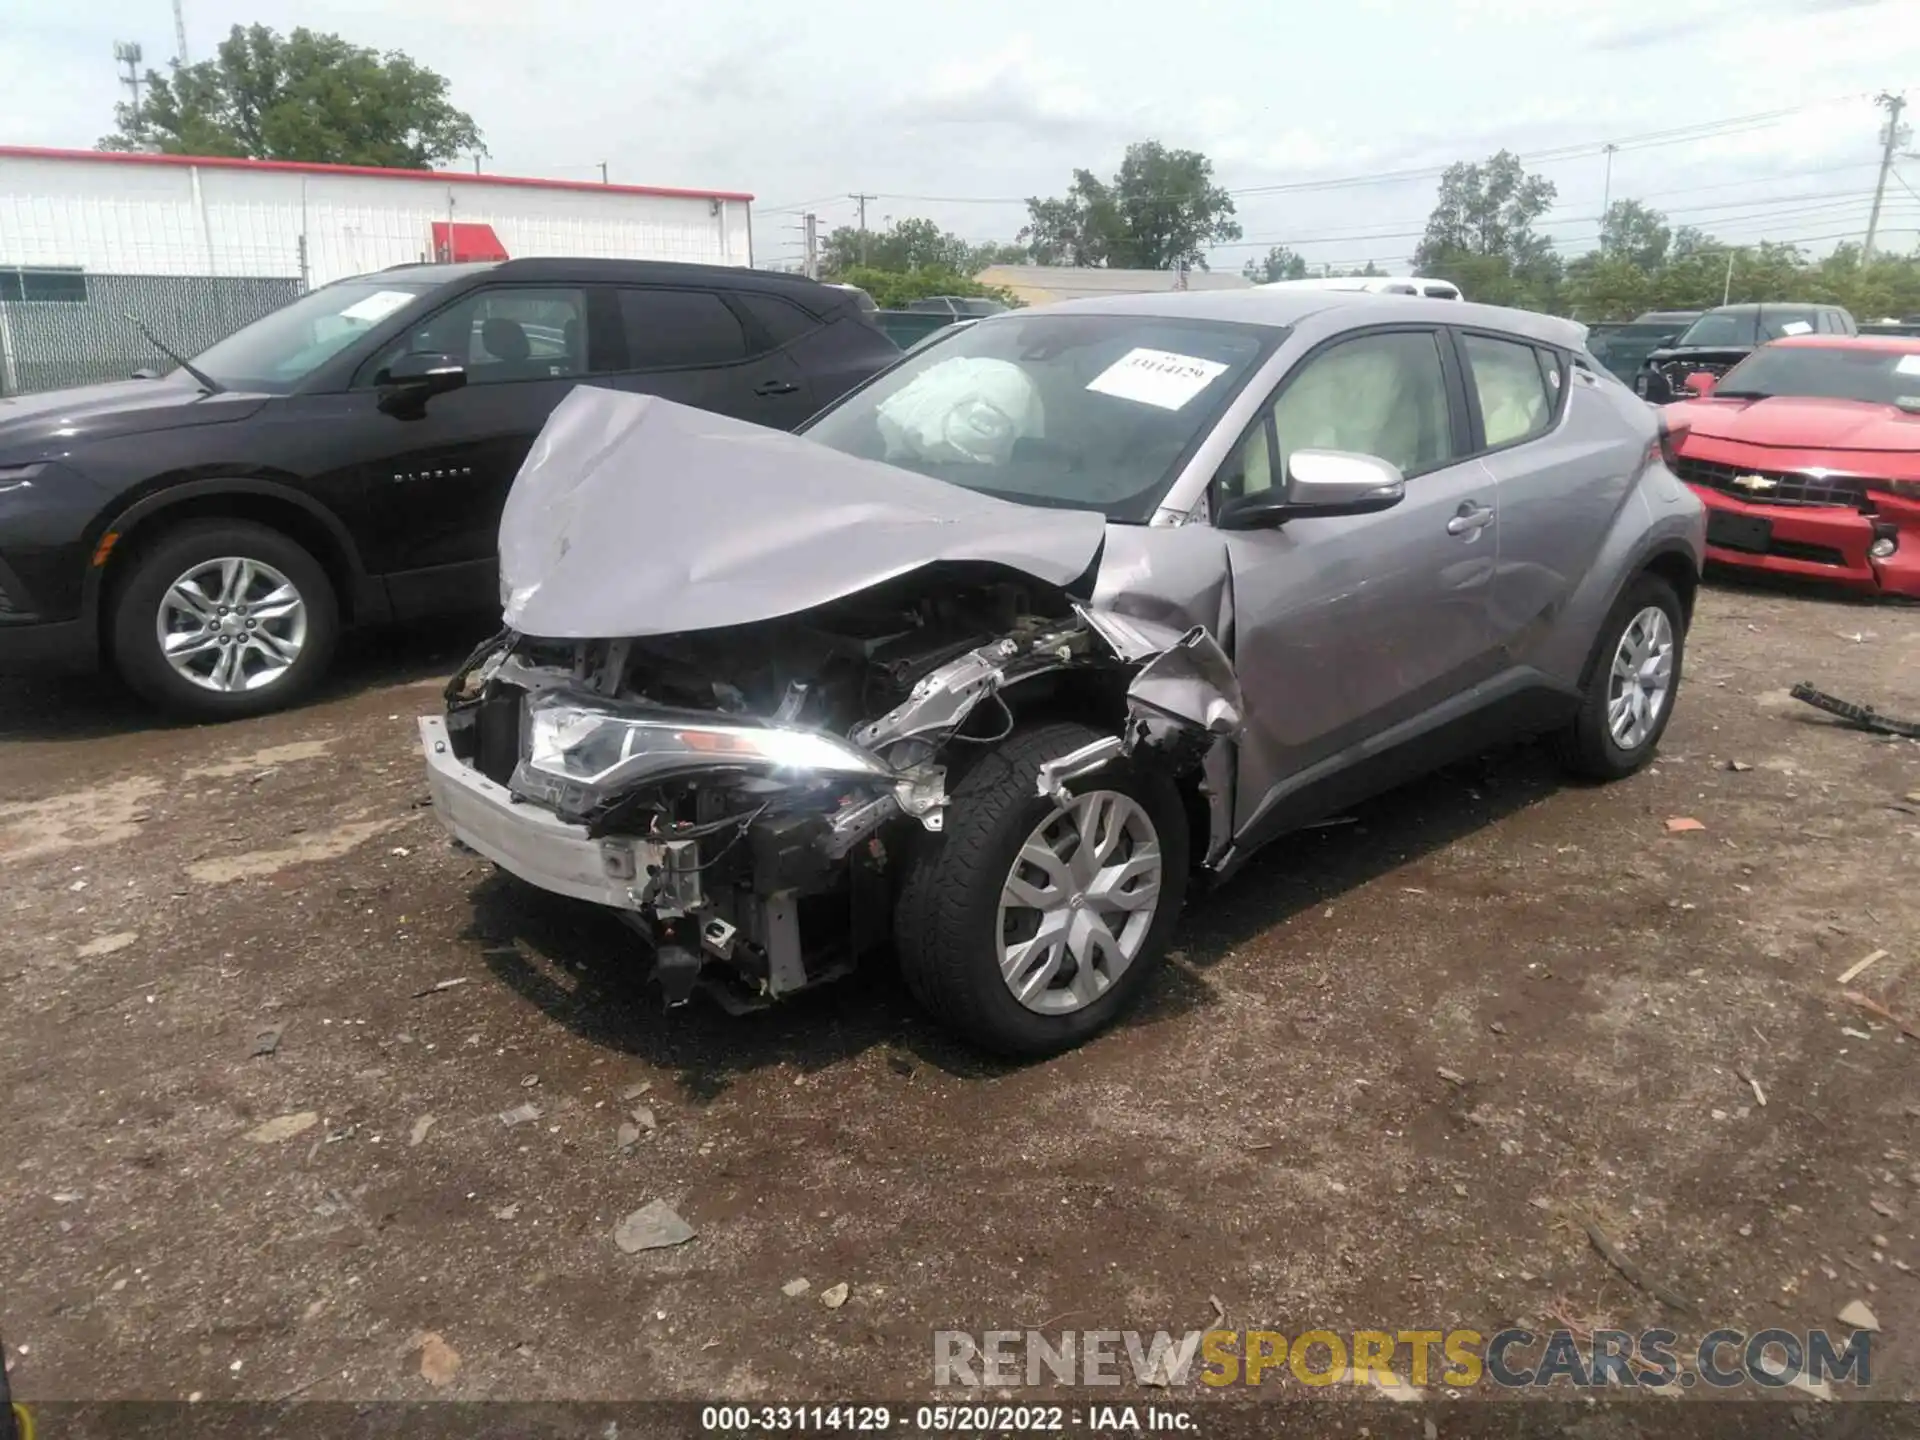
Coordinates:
(1641, 679)
(1079, 901)
(232, 624)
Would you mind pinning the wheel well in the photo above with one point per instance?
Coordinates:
(298, 524)
(1677, 570)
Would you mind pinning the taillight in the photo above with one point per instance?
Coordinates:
(1673, 434)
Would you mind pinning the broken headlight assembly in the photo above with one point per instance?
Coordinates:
(579, 751)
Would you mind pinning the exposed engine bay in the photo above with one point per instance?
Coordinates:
(746, 790)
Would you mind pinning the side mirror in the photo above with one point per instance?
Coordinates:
(1320, 483)
(413, 379)
(1700, 383)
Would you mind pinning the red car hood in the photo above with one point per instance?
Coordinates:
(1800, 423)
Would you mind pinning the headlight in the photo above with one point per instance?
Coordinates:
(589, 745)
(1905, 489)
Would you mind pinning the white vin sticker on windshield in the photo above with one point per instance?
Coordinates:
(1796, 327)
(1907, 365)
(1157, 377)
(377, 306)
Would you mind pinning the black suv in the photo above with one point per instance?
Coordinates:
(345, 460)
(1723, 337)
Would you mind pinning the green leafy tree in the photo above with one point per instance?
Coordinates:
(1161, 210)
(893, 289)
(912, 244)
(1489, 210)
(305, 96)
(1280, 263)
(1635, 232)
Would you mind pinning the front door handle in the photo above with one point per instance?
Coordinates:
(775, 387)
(1470, 518)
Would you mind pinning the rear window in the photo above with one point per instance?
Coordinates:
(781, 319)
(668, 329)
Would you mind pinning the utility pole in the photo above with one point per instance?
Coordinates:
(127, 53)
(811, 266)
(180, 33)
(603, 172)
(1726, 291)
(1606, 186)
(863, 199)
(1891, 141)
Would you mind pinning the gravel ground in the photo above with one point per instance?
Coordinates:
(1394, 1070)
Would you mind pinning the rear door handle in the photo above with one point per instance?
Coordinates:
(1471, 517)
(775, 387)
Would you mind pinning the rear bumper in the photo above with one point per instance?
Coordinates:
(67, 647)
(1824, 543)
(525, 840)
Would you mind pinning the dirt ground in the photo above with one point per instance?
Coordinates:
(1276, 1128)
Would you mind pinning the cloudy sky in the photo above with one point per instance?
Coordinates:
(955, 109)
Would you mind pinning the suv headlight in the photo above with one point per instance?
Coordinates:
(586, 745)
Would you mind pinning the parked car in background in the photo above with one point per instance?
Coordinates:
(1069, 605)
(1807, 454)
(1373, 285)
(1723, 337)
(957, 306)
(907, 328)
(860, 297)
(345, 459)
(1623, 346)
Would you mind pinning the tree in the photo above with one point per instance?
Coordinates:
(1280, 264)
(305, 96)
(1636, 233)
(1161, 210)
(912, 244)
(894, 289)
(1487, 210)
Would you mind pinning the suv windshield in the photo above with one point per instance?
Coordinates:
(1831, 372)
(1084, 412)
(1721, 328)
(280, 350)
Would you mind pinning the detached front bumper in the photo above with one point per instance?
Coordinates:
(1816, 542)
(528, 841)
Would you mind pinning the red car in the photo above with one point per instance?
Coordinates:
(1807, 456)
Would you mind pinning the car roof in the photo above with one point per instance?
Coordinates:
(631, 272)
(1892, 344)
(1754, 306)
(1263, 305)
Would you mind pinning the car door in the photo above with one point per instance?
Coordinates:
(1561, 477)
(693, 347)
(439, 478)
(1351, 632)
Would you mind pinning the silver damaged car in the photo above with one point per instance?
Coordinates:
(1066, 611)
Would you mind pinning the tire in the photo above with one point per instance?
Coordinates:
(1589, 746)
(262, 679)
(950, 924)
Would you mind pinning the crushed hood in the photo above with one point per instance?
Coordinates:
(635, 516)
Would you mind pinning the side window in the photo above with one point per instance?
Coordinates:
(679, 329)
(1249, 469)
(783, 321)
(535, 333)
(1506, 376)
(1380, 395)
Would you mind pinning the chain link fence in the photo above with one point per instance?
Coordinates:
(59, 328)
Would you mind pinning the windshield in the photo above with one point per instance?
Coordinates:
(1074, 411)
(1727, 328)
(1831, 372)
(277, 352)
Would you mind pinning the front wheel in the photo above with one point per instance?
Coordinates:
(1635, 677)
(224, 619)
(1029, 924)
